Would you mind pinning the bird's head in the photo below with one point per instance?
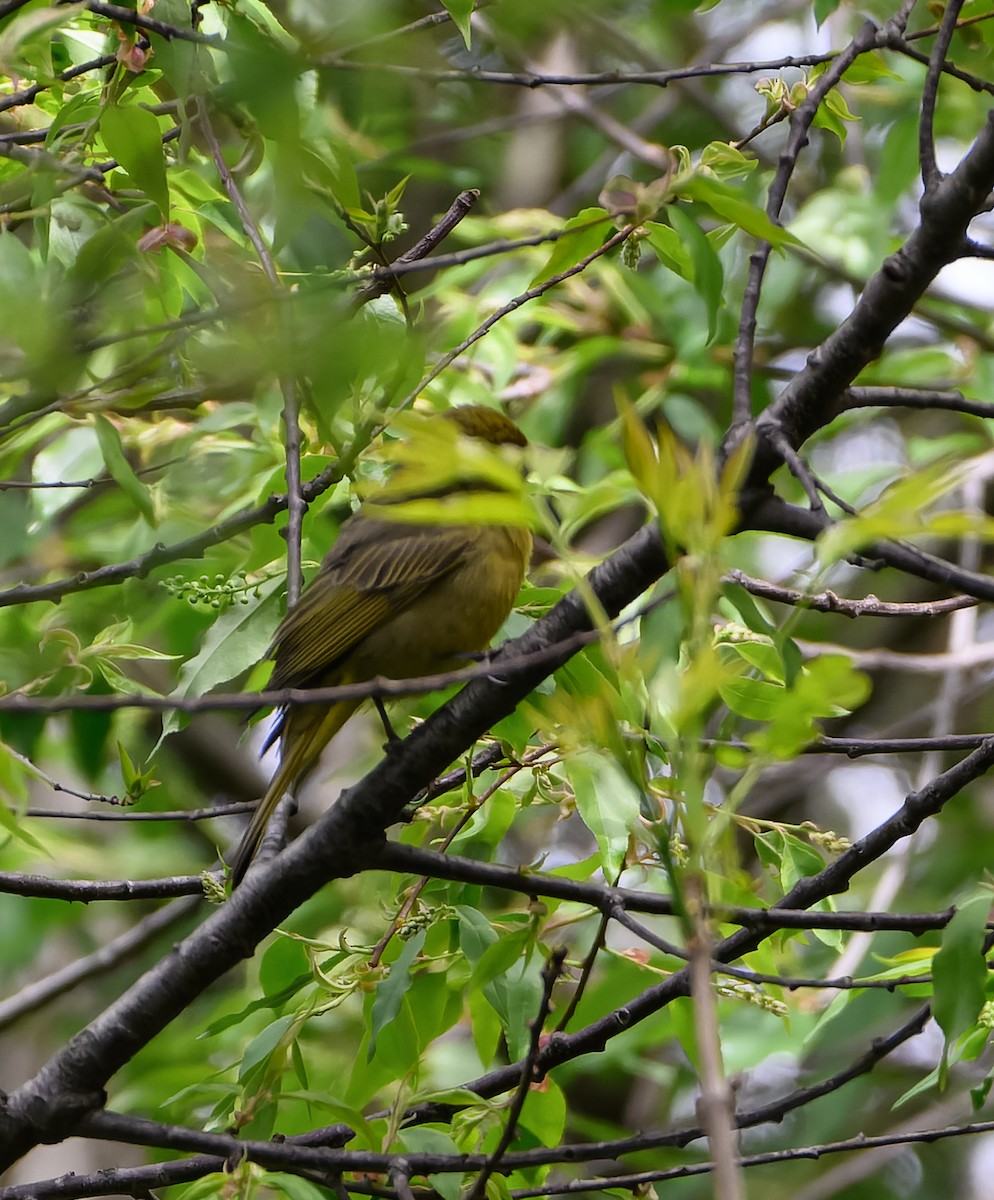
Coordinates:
(454, 468)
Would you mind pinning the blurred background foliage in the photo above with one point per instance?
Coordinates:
(145, 357)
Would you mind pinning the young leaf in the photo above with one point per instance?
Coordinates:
(670, 249)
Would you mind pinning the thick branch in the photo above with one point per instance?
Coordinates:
(70, 1084)
(816, 394)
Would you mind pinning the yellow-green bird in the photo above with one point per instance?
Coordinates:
(398, 596)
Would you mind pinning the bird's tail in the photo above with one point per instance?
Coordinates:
(249, 844)
(306, 732)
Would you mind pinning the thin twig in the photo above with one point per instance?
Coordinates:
(587, 969)
(512, 305)
(476, 802)
(800, 124)
(641, 1181)
(128, 16)
(36, 995)
(235, 809)
(412, 859)
(865, 606)
(840, 983)
(386, 276)
(193, 547)
(535, 79)
(979, 655)
(400, 1177)
(923, 398)
(494, 668)
(83, 484)
(28, 94)
(797, 467)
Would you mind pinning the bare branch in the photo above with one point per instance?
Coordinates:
(119, 950)
(926, 141)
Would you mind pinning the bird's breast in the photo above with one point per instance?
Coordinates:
(456, 616)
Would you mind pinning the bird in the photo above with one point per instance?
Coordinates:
(398, 595)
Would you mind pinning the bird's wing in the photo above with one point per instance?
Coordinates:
(375, 569)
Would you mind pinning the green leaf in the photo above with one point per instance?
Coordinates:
(901, 510)
(132, 136)
(979, 1094)
(460, 11)
(15, 520)
(786, 854)
(332, 172)
(237, 640)
(476, 933)
(608, 803)
(120, 469)
(755, 650)
(261, 1004)
(833, 113)
(264, 1043)
(869, 68)
(129, 772)
(959, 970)
(293, 1187)
(968, 1046)
(827, 686)
(670, 250)
(747, 608)
(501, 956)
(898, 161)
(754, 699)
(104, 251)
(545, 1114)
(13, 785)
(640, 450)
(583, 234)
(284, 960)
(28, 26)
(728, 204)
(824, 9)
(515, 998)
(13, 826)
(489, 823)
(207, 1188)
(78, 109)
(264, 77)
(462, 508)
(390, 992)
(427, 1140)
(299, 1066)
(727, 162)
(708, 276)
(345, 1113)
